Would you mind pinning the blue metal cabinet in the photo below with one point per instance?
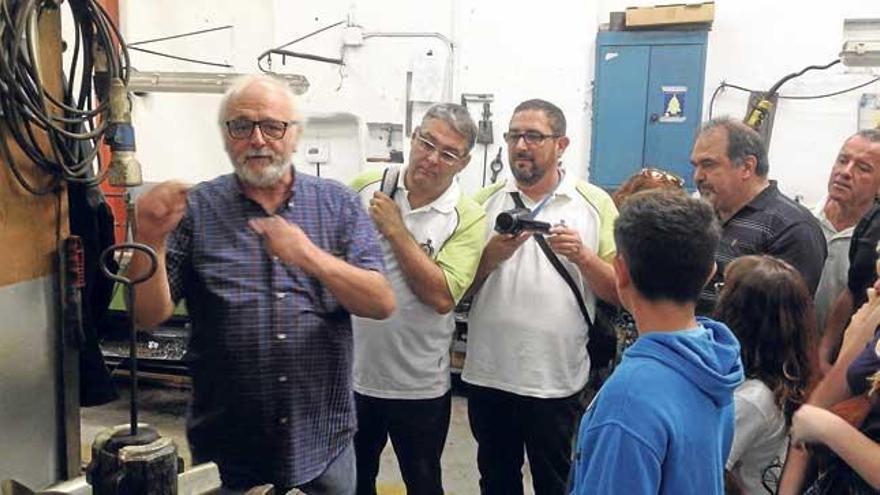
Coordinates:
(647, 103)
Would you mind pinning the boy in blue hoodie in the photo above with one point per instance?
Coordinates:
(663, 422)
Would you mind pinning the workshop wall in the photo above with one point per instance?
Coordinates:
(755, 43)
(511, 51)
(514, 53)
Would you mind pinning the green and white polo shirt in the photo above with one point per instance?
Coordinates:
(526, 334)
(407, 355)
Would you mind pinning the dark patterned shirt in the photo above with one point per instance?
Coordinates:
(271, 348)
(772, 224)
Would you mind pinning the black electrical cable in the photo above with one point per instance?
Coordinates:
(132, 44)
(51, 129)
(177, 57)
(761, 106)
(775, 88)
(786, 97)
(828, 95)
(714, 95)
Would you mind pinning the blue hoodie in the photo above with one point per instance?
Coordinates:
(663, 422)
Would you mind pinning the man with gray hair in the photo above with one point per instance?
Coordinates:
(853, 186)
(271, 263)
(730, 171)
(432, 237)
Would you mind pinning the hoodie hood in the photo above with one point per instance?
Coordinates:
(708, 356)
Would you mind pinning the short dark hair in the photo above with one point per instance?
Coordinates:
(766, 303)
(553, 113)
(872, 135)
(742, 141)
(457, 117)
(668, 242)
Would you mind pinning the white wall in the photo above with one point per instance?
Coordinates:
(513, 51)
(754, 43)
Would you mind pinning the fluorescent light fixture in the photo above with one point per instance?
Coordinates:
(198, 82)
(861, 45)
(861, 53)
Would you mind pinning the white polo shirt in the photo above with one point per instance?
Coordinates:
(407, 355)
(836, 268)
(526, 334)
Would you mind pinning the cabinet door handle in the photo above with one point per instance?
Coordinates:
(654, 118)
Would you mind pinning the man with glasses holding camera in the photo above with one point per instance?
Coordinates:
(271, 263)
(431, 236)
(527, 357)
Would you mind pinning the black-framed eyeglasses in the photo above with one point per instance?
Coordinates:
(270, 129)
(532, 138)
(447, 157)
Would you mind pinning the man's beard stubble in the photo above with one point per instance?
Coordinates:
(528, 176)
(261, 177)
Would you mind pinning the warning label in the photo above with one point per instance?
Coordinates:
(674, 101)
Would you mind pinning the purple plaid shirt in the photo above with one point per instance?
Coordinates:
(271, 348)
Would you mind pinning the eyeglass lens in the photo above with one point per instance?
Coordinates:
(243, 128)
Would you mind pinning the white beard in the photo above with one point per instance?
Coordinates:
(266, 176)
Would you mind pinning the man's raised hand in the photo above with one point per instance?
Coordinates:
(159, 210)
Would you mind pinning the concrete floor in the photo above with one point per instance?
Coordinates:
(165, 408)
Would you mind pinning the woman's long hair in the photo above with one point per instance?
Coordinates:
(766, 303)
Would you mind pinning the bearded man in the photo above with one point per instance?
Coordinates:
(272, 263)
(527, 363)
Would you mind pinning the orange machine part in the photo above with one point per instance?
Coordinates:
(115, 195)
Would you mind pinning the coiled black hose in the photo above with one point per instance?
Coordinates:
(60, 136)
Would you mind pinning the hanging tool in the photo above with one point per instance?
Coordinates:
(484, 126)
(496, 166)
(74, 281)
(485, 134)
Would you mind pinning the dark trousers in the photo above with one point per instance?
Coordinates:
(505, 424)
(337, 479)
(417, 429)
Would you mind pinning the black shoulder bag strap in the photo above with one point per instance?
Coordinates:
(554, 260)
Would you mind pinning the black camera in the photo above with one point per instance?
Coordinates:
(517, 220)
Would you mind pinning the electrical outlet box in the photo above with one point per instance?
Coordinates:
(317, 153)
(766, 127)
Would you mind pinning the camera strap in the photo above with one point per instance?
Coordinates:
(557, 264)
(389, 180)
(546, 199)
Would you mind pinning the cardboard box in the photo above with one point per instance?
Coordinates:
(666, 15)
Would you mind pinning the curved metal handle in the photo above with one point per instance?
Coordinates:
(147, 250)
